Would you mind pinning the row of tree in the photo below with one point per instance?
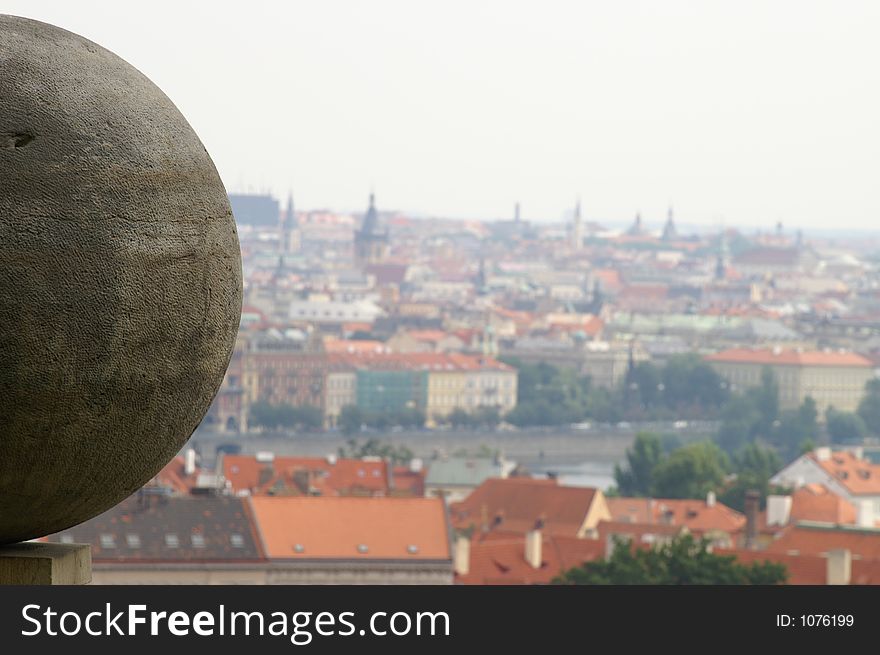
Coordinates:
(682, 561)
(686, 387)
(692, 471)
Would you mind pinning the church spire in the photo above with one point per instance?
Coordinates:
(669, 231)
(636, 228)
(291, 213)
(577, 227)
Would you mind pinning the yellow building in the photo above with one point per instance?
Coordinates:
(468, 382)
(831, 378)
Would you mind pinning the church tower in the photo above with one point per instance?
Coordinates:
(371, 243)
(669, 231)
(636, 229)
(291, 238)
(577, 228)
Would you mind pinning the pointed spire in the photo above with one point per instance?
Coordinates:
(669, 231)
(291, 213)
(577, 229)
(636, 228)
(371, 218)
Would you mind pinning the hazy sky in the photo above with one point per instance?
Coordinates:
(739, 112)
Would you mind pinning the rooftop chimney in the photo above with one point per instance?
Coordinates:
(823, 454)
(865, 516)
(839, 566)
(710, 499)
(752, 505)
(778, 510)
(462, 555)
(189, 466)
(533, 548)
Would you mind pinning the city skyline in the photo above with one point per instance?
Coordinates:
(739, 115)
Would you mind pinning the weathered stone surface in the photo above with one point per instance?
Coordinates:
(120, 279)
(33, 563)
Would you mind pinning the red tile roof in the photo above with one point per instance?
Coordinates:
(515, 505)
(802, 569)
(859, 476)
(407, 481)
(425, 362)
(789, 357)
(809, 569)
(303, 475)
(333, 346)
(696, 515)
(818, 539)
(816, 502)
(501, 561)
(174, 477)
(637, 533)
(352, 528)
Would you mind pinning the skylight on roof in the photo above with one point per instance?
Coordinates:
(362, 548)
(198, 540)
(133, 540)
(172, 541)
(108, 541)
(236, 540)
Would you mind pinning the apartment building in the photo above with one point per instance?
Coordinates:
(831, 378)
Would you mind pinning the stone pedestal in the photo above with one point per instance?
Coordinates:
(37, 563)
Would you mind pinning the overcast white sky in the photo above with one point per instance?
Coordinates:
(739, 112)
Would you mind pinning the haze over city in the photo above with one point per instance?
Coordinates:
(737, 113)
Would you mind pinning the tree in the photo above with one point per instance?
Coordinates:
(690, 472)
(489, 417)
(374, 448)
(644, 380)
(796, 427)
(740, 423)
(767, 401)
(845, 427)
(548, 395)
(869, 407)
(753, 465)
(262, 415)
(308, 417)
(459, 418)
(644, 456)
(351, 418)
(691, 386)
(682, 561)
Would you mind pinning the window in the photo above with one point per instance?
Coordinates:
(236, 540)
(108, 541)
(299, 548)
(362, 548)
(412, 549)
(171, 541)
(198, 540)
(67, 538)
(133, 540)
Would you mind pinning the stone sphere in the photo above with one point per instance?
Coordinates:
(120, 279)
